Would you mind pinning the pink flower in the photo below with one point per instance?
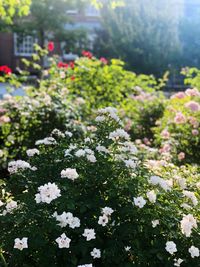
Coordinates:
(165, 149)
(193, 106)
(4, 119)
(192, 92)
(165, 134)
(193, 121)
(179, 118)
(179, 95)
(104, 60)
(195, 132)
(181, 155)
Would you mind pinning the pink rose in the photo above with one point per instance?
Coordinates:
(193, 121)
(192, 92)
(179, 118)
(195, 132)
(193, 106)
(165, 149)
(181, 155)
(4, 119)
(165, 134)
(179, 95)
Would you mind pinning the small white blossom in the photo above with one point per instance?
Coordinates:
(69, 134)
(187, 224)
(102, 149)
(14, 166)
(130, 163)
(155, 223)
(191, 196)
(107, 211)
(119, 133)
(194, 251)
(47, 193)
(177, 262)
(32, 152)
(100, 118)
(63, 241)
(91, 158)
(21, 243)
(171, 247)
(89, 234)
(46, 141)
(10, 206)
(57, 133)
(151, 196)
(103, 220)
(139, 202)
(80, 153)
(127, 248)
(69, 173)
(96, 253)
(85, 265)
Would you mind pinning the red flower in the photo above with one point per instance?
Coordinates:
(62, 65)
(50, 46)
(73, 78)
(71, 64)
(5, 69)
(104, 60)
(87, 54)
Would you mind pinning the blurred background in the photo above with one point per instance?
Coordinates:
(151, 36)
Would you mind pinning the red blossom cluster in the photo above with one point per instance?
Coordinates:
(87, 54)
(65, 65)
(5, 69)
(50, 46)
(104, 60)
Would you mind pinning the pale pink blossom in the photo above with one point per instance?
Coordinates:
(192, 92)
(195, 132)
(193, 106)
(179, 95)
(165, 134)
(181, 155)
(179, 118)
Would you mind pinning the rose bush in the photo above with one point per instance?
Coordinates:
(92, 202)
(25, 119)
(177, 132)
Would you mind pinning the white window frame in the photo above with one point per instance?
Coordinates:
(24, 53)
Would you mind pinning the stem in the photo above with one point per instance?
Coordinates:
(3, 259)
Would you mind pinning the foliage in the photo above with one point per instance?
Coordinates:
(101, 83)
(178, 130)
(141, 112)
(139, 32)
(11, 8)
(103, 168)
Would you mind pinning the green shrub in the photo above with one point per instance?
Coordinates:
(91, 202)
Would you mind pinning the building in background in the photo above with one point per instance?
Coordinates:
(13, 47)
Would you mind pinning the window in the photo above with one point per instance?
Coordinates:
(24, 45)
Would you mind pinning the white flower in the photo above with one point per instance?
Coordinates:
(96, 253)
(164, 184)
(102, 149)
(75, 223)
(100, 118)
(47, 193)
(89, 234)
(1, 203)
(171, 247)
(63, 241)
(14, 166)
(80, 153)
(21, 243)
(32, 152)
(191, 196)
(69, 134)
(110, 111)
(103, 220)
(69, 173)
(57, 133)
(187, 223)
(194, 251)
(155, 223)
(62, 74)
(151, 196)
(85, 265)
(127, 248)
(139, 201)
(119, 133)
(46, 141)
(11, 205)
(107, 211)
(91, 158)
(177, 262)
(130, 163)
(154, 180)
